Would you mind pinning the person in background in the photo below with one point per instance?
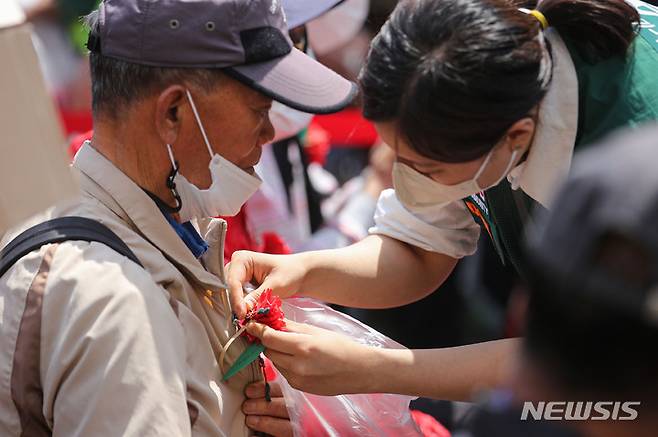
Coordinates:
(484, 105)
(593, 289)
(59, 31)
(97, 344)
(591, 312)
(300, 206)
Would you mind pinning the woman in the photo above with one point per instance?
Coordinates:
(484, 105)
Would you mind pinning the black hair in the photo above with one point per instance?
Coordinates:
(582, 340)
(454, 76)
(116, 84)
(599, 29)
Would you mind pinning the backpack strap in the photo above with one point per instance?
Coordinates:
(59, 230)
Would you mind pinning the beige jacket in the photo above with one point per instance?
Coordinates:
(91, 344)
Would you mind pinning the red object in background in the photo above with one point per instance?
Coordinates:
(75, 122)
(347, 128)
(428, 425)
(77, 141)
(317, 144)
(274, 244)
(238, 237)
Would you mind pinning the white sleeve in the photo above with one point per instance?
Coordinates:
(448, 229)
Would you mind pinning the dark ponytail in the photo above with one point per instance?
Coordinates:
(599, 29)
(454, 76)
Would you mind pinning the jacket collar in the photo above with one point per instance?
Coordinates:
(101, 179)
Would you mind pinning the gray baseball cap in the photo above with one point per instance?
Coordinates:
(600, 239)
(248, 39)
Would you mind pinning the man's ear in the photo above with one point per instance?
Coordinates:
(519, 137)
(167, 111)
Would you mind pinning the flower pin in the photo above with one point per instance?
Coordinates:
(266, 311)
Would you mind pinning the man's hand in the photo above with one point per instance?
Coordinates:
(282, 273)
(269, 417)
(317, 361)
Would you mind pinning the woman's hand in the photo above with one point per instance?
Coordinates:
(268, 417)
(282, 273)
(318, 361)
(322, 362)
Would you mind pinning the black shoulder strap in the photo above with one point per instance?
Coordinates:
(58, 230)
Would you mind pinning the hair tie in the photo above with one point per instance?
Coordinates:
(538, 15)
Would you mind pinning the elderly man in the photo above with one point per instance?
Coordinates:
(93, 343)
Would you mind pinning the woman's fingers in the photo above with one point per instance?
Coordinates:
(281, 341)
(302, 328)
(280, 360)
(238, 274)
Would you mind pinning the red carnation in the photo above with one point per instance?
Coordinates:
(266, 311)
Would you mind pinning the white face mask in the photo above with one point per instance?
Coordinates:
(417, 191)
(231, 186)
(287, 122)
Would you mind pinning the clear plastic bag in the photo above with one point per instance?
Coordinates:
(344, 415)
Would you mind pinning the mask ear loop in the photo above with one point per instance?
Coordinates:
(198, 122)
(486, 162)
(170, 181)
(483, 166)
(511, 162)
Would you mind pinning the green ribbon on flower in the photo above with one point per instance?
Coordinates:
(247, 357)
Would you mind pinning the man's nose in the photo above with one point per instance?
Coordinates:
(268, 131)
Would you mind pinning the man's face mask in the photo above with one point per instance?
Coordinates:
(230, 188)
(417, 191)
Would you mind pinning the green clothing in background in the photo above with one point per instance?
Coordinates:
(70, 14)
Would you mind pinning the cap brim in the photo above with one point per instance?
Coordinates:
(299, 12)
(298, 81)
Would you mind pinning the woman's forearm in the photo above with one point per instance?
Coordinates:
(455, 373)
(377, 272)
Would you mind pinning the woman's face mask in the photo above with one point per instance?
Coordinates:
(416, 190)
(422, 182)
